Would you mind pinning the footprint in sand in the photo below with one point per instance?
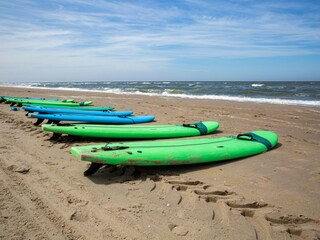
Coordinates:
(213, 195)
(75, 201)
(255, 205)
(79, 215)
(182, 182)
(19, 169)
(247, 209)
(302, 226)
(173, 198)
(178, 230)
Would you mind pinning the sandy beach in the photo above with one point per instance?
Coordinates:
(275, 195)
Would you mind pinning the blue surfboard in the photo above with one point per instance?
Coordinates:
(91, 118)
(76, 111)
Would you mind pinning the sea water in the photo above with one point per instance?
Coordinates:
(280, 92)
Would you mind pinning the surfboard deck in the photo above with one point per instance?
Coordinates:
(134, 131)
(7, 98)
(176, 152)
(85, 108)
(21, 101)
(92, 118)
(47, 110)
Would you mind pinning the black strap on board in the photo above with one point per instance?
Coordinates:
(254, 137)
(200, 126)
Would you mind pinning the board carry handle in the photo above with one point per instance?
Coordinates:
(199, 125)
(254, 137)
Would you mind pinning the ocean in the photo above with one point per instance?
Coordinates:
(280, 92)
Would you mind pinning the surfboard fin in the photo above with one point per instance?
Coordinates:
(55, 136)
(39, 121)
(94, 167)
(52, 121)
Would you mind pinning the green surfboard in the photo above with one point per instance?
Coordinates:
(133, 131)
(21, 101)
(176, 152)
(9, 99)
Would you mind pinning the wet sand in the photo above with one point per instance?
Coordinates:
(275, 195)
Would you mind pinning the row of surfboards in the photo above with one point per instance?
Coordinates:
(105, 122)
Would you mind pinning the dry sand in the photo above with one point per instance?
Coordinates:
(275, 195)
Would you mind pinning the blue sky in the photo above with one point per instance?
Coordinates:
(99, 40)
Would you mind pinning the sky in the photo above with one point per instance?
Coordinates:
(159, 40)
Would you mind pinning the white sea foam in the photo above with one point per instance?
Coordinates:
(168, 94)
(257, 85)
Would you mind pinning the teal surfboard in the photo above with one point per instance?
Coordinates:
(86, 108)
(47, 110)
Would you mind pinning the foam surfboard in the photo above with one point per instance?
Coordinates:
(91, 118)
(21, 99)
(38, 98)
(133, 131)
(86, 108)
(46, 110)
(19, 102)
(176, 152)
